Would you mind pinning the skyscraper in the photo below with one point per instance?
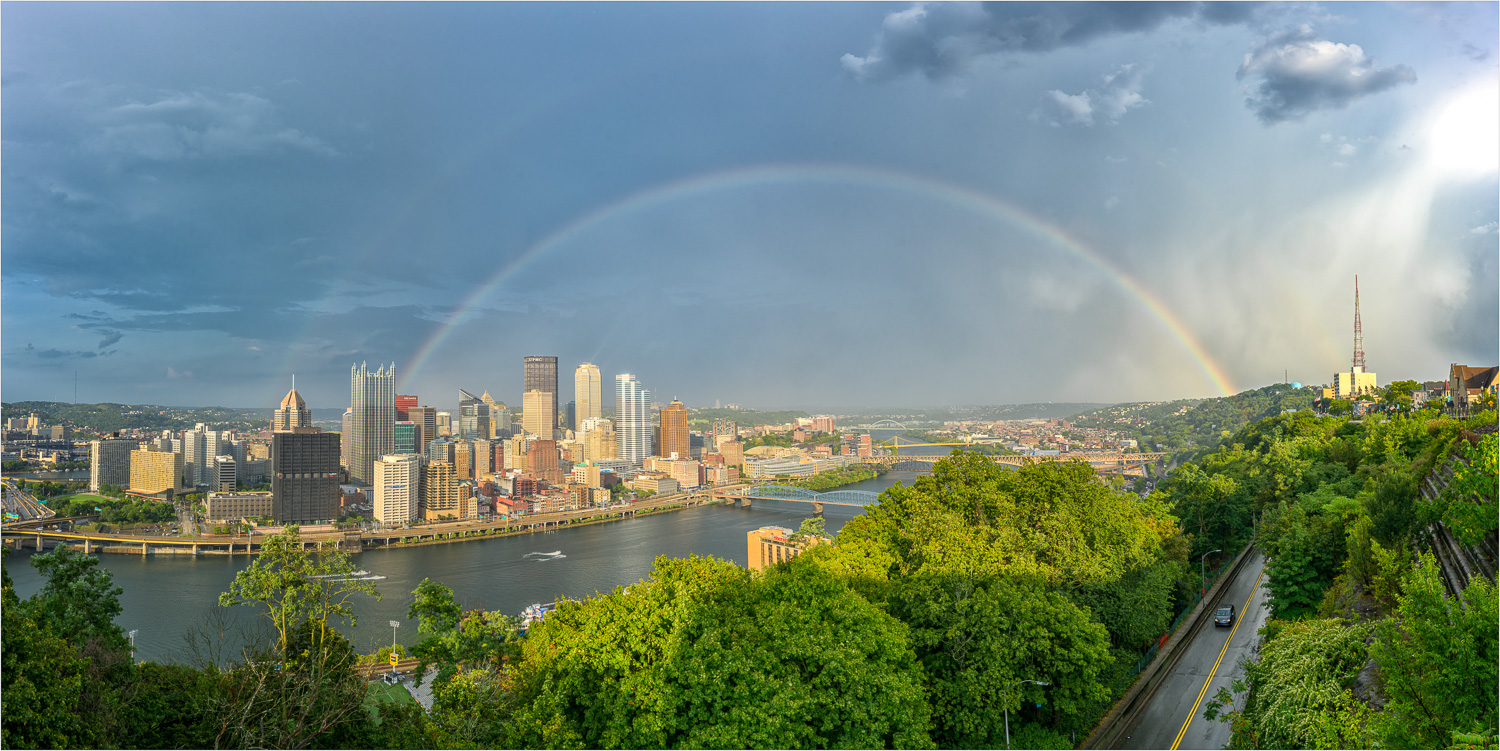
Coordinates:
(534, 419)
(587, 394)
(632, 419)
(404, 403)
(541, 375)
(109, 462)
(473, 416)
(292, 413)
(675, 437)
(199, 447)
(305, 476)
(406, 437)
(372, 402)
(398, 488)
(425, 418)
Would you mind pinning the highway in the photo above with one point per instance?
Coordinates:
(1173, 717)
(23, 505)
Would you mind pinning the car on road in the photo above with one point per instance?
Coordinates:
(1224, 616)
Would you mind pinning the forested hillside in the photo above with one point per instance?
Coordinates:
(108, 417)
(1189, 427)
(1363, 650)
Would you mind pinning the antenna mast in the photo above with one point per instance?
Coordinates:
(1359, 334)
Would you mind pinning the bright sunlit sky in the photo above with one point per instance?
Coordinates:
(774, 204)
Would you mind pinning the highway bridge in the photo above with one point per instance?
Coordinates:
(744, 496)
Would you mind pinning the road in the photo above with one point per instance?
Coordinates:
(1173, 718)
(22, 504)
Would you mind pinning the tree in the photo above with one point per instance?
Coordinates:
(44, 676)
(812, 526)
(292, 585)
(1438, 661)
(79, 602)
(702, 655)
(434, 608)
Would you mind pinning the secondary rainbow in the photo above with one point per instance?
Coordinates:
(842, 174)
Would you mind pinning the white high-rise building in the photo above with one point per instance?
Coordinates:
(199, 447)
(632, 419)
(398, 488)
(372, 424)
(587, 395)
(109, 462)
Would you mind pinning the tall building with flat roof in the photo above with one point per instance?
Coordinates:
(675, 436)
(473, 416)
(404, 403)
(425, 418)
(534, 420)
(372, 400)
(541, 375)
(292, 413)
(632, 419)
(226, 474)
(587, 395)
(544, 462)
(439, 492)
(406, 437)
(305, 476)
(155, 473)
(398, 488)
(109, 462)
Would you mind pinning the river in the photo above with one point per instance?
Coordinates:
(167, 596)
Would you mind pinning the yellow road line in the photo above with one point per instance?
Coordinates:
(1222, 650)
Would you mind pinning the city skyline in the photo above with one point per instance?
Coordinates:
(771, 204)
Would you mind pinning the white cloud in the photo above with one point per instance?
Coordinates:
(1300, 74)
(1119, 93)
(1485, 229)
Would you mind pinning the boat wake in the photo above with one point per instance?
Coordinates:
(545, 556)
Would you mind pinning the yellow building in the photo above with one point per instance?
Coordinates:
(769, 546)
(1351, 385)
(155, 472)
(439, 491)
(535, 420)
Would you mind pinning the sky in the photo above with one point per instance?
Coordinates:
(769, 204)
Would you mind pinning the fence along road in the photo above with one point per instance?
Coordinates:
(1173, 716)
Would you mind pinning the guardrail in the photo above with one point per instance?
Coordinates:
(1166, 654)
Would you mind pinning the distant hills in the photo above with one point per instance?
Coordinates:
(108, 417)
(1193, 426)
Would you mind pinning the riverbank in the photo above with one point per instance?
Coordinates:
(532, 528)
(834, 479)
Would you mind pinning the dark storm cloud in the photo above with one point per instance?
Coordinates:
(110, 337)
(1300, 74)
(59, 354)
(940, 39)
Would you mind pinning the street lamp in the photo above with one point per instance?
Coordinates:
(1007, 708)
(1202, 576)
(131, 635)
(394, 625)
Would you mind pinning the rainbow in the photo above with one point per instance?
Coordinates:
(772, 174)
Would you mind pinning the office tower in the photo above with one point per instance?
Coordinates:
(463, 459)
(632, 419)
(226, 475)
(587, 393)
(425, 418)
(599, 439)
(372, 399)
(404, 403)
(484, 457)
(473, 416)
(440, 450)
(544, 463)
(515, 453)
(541, 375)
(155, 473)
(407, 437)
(733, 453)
(346, 430)
(305, 476)
(199, 447)
(534, 419)
(109, 462)
(398, 488)
(444, 424)
(675, 438)
(501, 421)
(292, 413)
(570, 412)
(439, 491)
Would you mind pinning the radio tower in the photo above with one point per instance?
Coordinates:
(1359, 334)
